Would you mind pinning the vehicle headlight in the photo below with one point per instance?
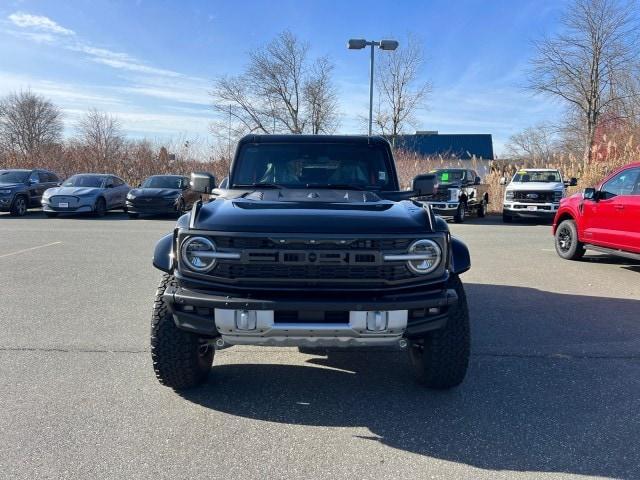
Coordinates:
(557, 195)
(130, 196)
(198, 254)
(509, 195)
(5, 192)
(427, 256)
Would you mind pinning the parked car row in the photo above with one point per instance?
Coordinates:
(94, 193)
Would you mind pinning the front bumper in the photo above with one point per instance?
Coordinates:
(212, 314)
(523, 210)
(168, 207)
(48, 207)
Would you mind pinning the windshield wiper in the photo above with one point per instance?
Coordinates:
(257, 185)
(336, 186)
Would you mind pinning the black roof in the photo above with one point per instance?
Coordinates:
(292, 138)
(463, 146)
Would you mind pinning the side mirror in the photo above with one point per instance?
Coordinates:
(224, 183)
(503, 180)
(477, 181)
(424, 185)
(573, 182)
(590, 194)
(32, 182)
(203, 182)
(139, 185)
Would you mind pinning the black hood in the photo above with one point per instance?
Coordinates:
(313, 211)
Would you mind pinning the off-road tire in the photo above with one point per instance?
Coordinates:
(566, 241)
(482, 209)
(506, 218)
(20, 206)
(100, 208)
(51, 214)
(461, 213)
(440, 359)
(180, 359)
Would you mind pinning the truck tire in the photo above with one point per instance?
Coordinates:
(461, 213)
(482, 209)
(440, 359)
(567, 244)
(180, 359)
(19, 206)
(506, 218)
(100, 208)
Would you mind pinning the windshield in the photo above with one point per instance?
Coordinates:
(13, 176)
(94, 181)
(450, 176)
(525, 176)
(299, 165)
(163, 182)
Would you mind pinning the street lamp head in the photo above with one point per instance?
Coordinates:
(388, 44)
(357, 44)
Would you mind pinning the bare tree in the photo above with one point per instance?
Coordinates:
(535, 144)
(281, 90)
(29, 123)
(589, 62)
(101, 134)
(402, 90)
(321, 98)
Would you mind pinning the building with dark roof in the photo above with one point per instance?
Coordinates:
(454, 145)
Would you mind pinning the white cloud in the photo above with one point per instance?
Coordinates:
(38, 22)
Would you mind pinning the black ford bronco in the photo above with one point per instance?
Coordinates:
(309, 242)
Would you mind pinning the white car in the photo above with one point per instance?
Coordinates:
(534, 193)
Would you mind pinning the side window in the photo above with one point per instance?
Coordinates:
(34, 177)
(43, 177)
(108, 182)
(117, 181)
(624, 183)
(186, 182)
(53, 178)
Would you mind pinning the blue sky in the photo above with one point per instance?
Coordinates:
(151, 63)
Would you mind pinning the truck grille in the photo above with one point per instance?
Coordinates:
(533, 196)
(277, 261)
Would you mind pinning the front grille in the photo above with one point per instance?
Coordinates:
(71, 200)
(234, 271)
(533, 196)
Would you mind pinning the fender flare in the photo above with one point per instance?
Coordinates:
(163, 254)
(460, 257)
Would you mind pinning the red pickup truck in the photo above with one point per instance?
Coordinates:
(605, 219)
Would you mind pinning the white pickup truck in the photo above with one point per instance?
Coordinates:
(534, 193)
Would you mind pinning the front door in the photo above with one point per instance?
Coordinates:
(605, 219)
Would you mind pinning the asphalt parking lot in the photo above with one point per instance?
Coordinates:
(553, 390)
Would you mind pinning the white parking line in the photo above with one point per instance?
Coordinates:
(29, 249)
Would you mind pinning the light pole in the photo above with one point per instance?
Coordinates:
(359, 44)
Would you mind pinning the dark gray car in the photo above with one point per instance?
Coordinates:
(86, 192)
(22, 189)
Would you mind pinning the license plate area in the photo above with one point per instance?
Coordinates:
(532, 208)
(63, 204)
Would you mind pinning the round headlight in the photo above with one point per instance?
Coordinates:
(130, 196)
(198, 254)
(429, 254)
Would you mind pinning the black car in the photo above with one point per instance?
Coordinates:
(311, 244)
(22, 189)
(161, 195)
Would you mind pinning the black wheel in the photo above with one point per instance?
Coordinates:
(180, 359)
(100, 209)
(461, 213)
(180, 208)
(133, 215)
(51, 214)
(506, 218)
(482, 209)
(19, 206)
(441, 358)
(567, 244)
